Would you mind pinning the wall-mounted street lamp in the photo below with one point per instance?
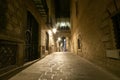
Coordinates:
(59, 39)
(54, 30)
(49, 32)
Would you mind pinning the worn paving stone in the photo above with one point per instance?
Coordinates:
(63, 66)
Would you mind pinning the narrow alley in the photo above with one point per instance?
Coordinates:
(59, 39)
(63, 66)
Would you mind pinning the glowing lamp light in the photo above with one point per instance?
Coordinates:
(62, 24)
(59, 39)
(54, 30)
(50, 32)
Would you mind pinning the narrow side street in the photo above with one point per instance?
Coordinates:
(63, 66)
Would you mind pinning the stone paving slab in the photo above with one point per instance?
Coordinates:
(63, 66)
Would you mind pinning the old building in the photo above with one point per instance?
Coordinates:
(32, 29)
(24, 33)
(95, 32)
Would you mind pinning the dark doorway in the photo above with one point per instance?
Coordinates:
(78, 43)
(47, 41)
(63, 44)
(31, 47)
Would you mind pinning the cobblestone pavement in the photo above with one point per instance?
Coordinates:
(63, 66)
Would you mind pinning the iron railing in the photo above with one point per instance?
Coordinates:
(8, 53)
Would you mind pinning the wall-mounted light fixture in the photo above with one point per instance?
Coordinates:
(59, 39)
(49, 32)
(54, 30)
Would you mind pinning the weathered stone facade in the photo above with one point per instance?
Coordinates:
(92, 25)
(92, 32)
(13, 33)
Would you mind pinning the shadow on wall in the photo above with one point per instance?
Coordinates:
(3, 18)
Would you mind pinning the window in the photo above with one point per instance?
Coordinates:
(3, 17)
(116, 27)
(76, 6)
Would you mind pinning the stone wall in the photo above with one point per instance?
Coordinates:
(51, 42)
(13, 26)
(91, 23)
(13, 21)
(43, 42)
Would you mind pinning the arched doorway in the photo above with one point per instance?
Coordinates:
(31, 38)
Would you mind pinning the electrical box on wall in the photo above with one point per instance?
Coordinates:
(113, 54)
